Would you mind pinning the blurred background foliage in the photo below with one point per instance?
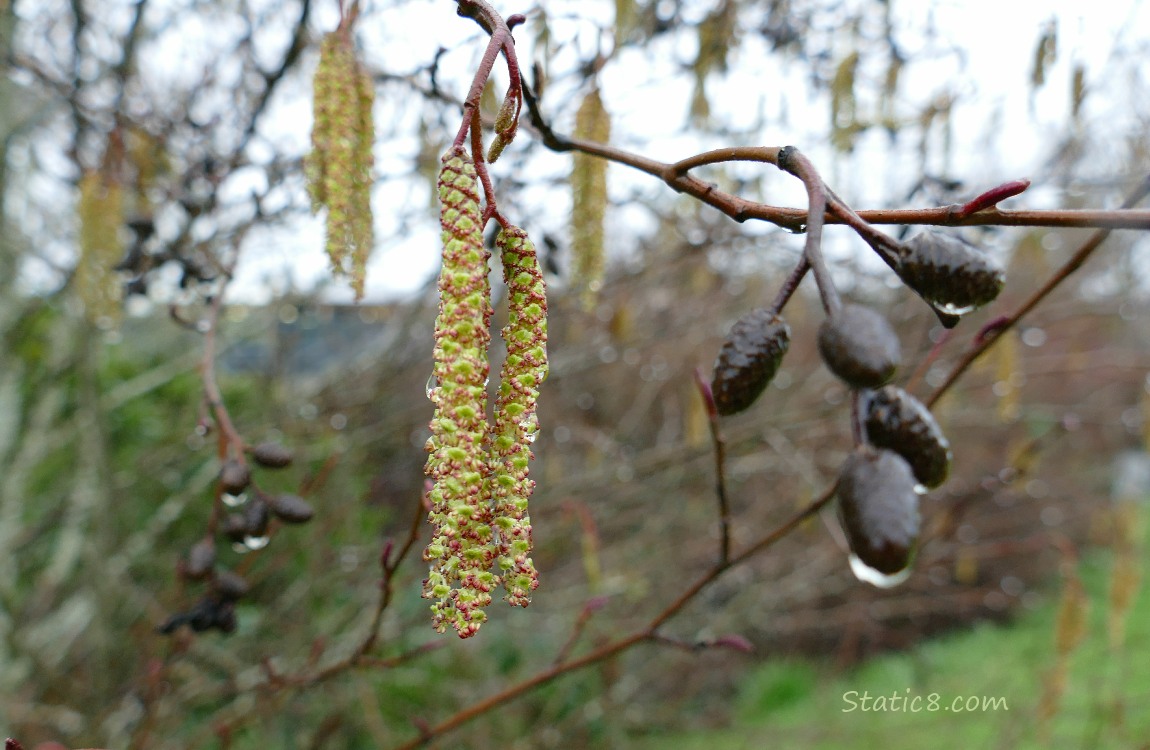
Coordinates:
(153, 147)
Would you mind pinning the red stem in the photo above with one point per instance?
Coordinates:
(720, 444)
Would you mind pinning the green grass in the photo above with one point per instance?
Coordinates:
(804, 704)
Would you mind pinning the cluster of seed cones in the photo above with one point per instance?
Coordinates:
(247, 527)
(901, 452)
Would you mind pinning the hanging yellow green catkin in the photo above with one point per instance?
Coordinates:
(589, 200)
(844, 115)
(339, 166)
(516, 423)
(462, 551)
(101, 212)
(1008, 378)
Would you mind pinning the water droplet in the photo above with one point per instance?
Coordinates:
(432, 384)
(232, 501)
(203, 326)
(256, 542)
(947, 318)
(240, 547)
(1034, 336)
(530, 427)
(867, 574)
(920, 489)
(1052, 516)
(950, 309)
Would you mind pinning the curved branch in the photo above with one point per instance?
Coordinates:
(677, 177)
(791, 160)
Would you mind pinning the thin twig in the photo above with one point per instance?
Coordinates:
(720, 444)
(790, 284)
(389, 564)
(592, 606)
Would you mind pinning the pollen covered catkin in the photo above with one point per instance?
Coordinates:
(515, 421)
(101, 211)
(338, 169)
(462, 550)
(589, 201)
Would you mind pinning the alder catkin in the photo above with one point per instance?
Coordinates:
(506, 124)
(462, 549)
(338, 169)
(516, 423)
(589, 200)
(101, 211)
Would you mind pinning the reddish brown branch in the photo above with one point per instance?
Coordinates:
(677, 177)
(592, 606)
(790, 159)
(720, 444)
(790, 284)
(501, 42)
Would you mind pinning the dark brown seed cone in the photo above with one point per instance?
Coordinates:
(272, 455)
(230, 586)
(201, 558)
(236, 527)
(225, 617)
(949, 272)
(291, 508)
(749, 359)
(859, 346)
(899, 422)
(256, 516)
(234, 477)
(879, 508)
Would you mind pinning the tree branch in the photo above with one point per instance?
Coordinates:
(677, 178)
